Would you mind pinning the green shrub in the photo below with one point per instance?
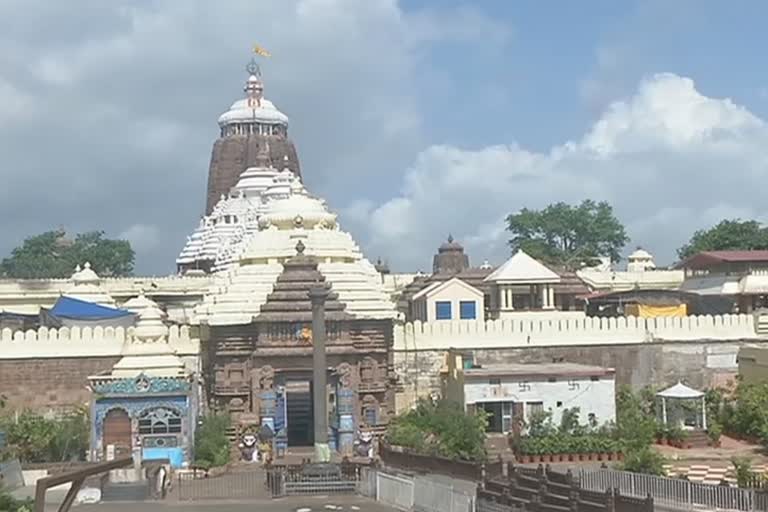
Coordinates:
(212, 446)
(34, 438)
(440, 428)
(714, 432)
(643, 460)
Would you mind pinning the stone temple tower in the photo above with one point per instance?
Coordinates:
(249, 125)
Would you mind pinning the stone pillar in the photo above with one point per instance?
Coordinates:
(551, 291)
(544, 294)
(318, 297)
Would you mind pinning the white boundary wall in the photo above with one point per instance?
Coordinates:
(442, 335)
(83, 342)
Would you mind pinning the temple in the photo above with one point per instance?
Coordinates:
(232, 331)
(249, 126)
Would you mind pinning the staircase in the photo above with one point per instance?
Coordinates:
(696, 439)
(133, 491)
(761, 323)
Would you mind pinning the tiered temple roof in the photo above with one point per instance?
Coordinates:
(237, 294)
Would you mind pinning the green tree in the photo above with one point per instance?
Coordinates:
(571, 236)
(212, 448)
(52, 255)
(726, 235)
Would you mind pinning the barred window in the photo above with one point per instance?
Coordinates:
(160, 420)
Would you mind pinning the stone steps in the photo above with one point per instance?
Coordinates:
(133, 491)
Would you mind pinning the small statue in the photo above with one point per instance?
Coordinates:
(249, 449)
(364, 445)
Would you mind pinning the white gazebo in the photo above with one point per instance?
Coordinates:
(682, 392)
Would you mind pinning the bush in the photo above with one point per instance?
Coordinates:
(10, 504)
(34, 438)
(212, 447)
(440, 428)
(643, 460)
(714, 432)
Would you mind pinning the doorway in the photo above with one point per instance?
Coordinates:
(117, 432)
(493, 410)
(299, 411)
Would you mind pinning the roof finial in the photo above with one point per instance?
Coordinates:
(300, 248)
(450, 238)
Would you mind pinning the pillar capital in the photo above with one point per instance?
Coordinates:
(319, 294)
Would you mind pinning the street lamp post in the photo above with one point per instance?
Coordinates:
(318, 295)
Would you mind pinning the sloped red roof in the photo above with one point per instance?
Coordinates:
(707, 258)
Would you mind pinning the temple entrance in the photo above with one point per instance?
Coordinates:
(299, 409)
(117, 432)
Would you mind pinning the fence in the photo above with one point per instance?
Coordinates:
(675, 493)
(402, 458)
(418, 494)
(241, 485)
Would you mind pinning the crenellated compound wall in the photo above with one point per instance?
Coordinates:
(700, 350)
(48, 369)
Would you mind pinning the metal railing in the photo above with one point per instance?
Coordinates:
(431, 496)
(395, 491)
(673, 493)
(420, 494)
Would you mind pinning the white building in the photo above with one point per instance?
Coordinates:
(449, 300)
(641, 274)
(511, 391)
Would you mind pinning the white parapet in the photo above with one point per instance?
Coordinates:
(83, 342)
(470, 334)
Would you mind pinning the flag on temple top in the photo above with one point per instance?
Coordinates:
(258, 50)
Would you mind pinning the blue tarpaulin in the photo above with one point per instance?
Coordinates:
(69, 307)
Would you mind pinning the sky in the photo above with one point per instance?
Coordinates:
(413, 119)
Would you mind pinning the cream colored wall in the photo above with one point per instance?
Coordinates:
(84, 342)
(454, 293)
(469, 334)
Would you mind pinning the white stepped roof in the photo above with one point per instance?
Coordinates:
(237, 294)
(522, 269)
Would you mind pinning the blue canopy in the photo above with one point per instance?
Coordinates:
(69, 307)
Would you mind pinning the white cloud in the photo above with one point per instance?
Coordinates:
(669, 159)
(116, 102)
(143, 237)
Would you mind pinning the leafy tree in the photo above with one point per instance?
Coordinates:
(726, 235)
(571, 236)
(51, 255)
(440, 428)
(212, 448)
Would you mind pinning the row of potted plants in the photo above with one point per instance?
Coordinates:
(564, 444)
(569, 457)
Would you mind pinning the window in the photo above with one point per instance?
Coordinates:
(467, 310)
(559, 403)
(534, 408)
(506, 416)
(495, 382)
(160, 421)
(443, 310)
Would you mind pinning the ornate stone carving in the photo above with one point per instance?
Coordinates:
(369, 370)
(141, 384)
(266, 377)
(344, 371)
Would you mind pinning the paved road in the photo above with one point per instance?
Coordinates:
(294, 504)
